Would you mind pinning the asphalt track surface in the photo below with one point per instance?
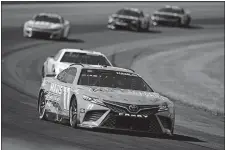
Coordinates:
(22, 60)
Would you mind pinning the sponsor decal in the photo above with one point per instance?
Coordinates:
(132, 115)
(54, 88)
(126, 74)
(52, 96)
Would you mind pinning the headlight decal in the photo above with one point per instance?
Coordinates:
(93, 100)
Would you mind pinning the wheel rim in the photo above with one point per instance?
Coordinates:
(73, 113)
(42, 104)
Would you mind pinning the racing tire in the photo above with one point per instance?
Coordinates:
(177, 23)
(188, 22)
(73, 113)
(136, 28)
(43, 72)
(147, 27)
(41, 106)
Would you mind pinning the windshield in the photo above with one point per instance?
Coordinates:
(171, 10)
(47, 18)
(112, 79)
(128, 13)
(83, 58)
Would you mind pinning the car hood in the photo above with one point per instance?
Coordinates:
(43, 25)
(167, 14)
(124, 17)
(123, 96)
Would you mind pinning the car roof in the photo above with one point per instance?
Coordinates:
(82, 51)
(86, 66)
(173, 7)
(50, 15)
(133, 9)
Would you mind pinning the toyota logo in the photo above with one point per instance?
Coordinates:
(133, 108)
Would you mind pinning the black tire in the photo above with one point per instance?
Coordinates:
(73, 113)
(188, 22)
(136, 27)
(177, 23)
(147, 28)
(41, 106)
(43, 72)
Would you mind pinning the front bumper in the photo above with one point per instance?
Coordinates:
(159, 20)
(52, 34)
(149, 120)
(112, 24)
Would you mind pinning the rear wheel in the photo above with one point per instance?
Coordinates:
(41, 106)
(73, 113)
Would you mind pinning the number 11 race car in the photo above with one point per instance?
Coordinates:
(94, 96)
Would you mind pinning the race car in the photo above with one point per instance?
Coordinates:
(65, 57)
(171, 15)
(130, 18)
(47, 25)
(94, 96)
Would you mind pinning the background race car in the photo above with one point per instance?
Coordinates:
(65, 57)
(93, 96)
(47, 25)
(171, 15)
(131, 18)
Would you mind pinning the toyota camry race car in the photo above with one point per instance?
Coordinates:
(65, 57)
(47, 25)
(131, 18)
(171, 15)
(93, 96)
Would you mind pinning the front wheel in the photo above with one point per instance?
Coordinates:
(136, 27)
(41, 106)
(177, 23)
(43, 72)
(73, 113)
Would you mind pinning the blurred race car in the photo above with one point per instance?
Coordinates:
(65, 57)
(131, 18)
(171, 15)
(47, 25)
(94, 96)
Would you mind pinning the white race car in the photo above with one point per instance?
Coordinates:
(47, 25)
(65, 57)
(172, 15)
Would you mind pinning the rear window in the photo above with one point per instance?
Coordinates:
(73, 57)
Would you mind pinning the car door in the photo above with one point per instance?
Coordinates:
(66, 78)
